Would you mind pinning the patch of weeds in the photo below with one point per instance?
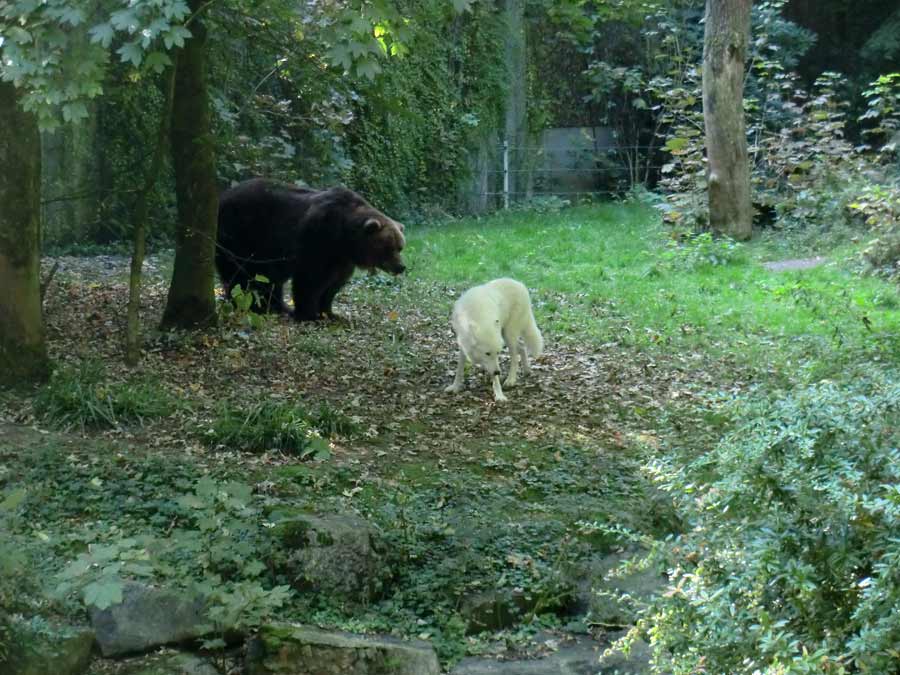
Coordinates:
(313, 344)
(329, 421)
(265, 426)
(238, 311)
(690, 251)
(81, 397)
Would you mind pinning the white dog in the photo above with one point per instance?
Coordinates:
(483, 319)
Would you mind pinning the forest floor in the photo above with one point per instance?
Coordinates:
(645, 345)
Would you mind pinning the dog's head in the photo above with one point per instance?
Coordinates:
(481, 344)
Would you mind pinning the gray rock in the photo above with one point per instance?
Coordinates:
(581, 656)
(609, 602)
(62, 651)
(341, 555)
(499, 609)
(298, 650)
(146, 618)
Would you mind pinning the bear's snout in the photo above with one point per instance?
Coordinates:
(394, 267)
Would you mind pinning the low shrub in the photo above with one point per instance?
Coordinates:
(791, 561)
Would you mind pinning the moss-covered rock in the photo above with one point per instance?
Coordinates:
(61, 651)
(340, 555)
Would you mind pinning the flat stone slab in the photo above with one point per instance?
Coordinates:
(286, 649)
(794, 264)
(580, 656)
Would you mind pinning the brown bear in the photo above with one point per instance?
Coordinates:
(316, 238)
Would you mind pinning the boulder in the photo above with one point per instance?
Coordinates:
(609, 601)
(340, 555)
(285, 649)
(148, 617)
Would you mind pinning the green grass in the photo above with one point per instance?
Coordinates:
(605, 273)
(83, 397)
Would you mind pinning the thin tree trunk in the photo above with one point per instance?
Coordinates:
(23, 350)
(724, 57)
(191, 299)
(139, 238)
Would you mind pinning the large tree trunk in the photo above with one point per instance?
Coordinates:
(191, 300)
(23, 352)
(724, 56)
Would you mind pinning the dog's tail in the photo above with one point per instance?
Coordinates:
(534, 341)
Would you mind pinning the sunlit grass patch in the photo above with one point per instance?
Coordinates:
(612, 273)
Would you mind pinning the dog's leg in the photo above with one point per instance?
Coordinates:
(498, 391)
(514, 352)
(460, 372)
(526, 366)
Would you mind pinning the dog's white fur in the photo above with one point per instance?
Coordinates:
(484, 318)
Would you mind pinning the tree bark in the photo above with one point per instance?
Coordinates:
(191, 299)
(139, 235)
(724, 56)
(23, 350)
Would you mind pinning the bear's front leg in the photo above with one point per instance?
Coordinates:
(338, 280)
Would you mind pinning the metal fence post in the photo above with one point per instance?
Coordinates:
(505, 174)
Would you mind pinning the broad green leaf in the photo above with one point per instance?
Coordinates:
(103, 593)
(157, 61)
(73, 112)
(13, 500)
(102, 33)
(368, 68)
(131, 51)
(176, 36)
(676, 144)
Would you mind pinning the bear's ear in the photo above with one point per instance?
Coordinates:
(372, 225)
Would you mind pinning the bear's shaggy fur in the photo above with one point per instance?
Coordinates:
(316, 238)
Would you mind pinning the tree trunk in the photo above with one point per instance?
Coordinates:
(139, 236)
(724, 56)
(191, 300)
(23, 351)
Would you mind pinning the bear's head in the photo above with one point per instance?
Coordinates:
(376, 239)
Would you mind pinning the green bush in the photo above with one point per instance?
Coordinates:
(82, 397)
(790, 562)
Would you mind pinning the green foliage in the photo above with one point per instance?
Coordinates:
(81, 397)
(879, 206)
(446, 94)
(790, 560)
(271, 425)
(14, 577)
(883, 110)
(57, 57)
(217, 550)
(372, 122)
(445, 547)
